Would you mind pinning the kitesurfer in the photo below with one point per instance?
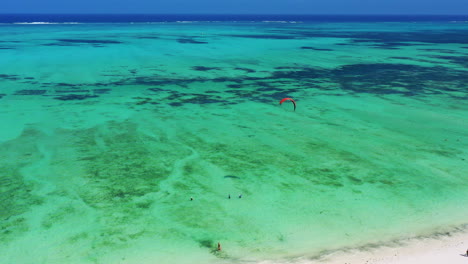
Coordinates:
(290, 99)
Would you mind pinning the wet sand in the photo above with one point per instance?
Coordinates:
(448, 247)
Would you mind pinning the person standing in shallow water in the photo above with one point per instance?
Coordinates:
(219, 246)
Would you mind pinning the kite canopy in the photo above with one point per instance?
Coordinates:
(290, 99)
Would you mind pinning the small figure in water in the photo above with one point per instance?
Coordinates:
(191, 198)
(219, 246)
(240, 196)
(229, 196)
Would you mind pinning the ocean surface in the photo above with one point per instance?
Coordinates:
(111, 124)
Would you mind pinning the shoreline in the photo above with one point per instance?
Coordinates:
(442, 247)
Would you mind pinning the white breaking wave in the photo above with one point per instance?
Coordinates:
(280, 21)
(274, 21)
(44, 23)
(153, 22)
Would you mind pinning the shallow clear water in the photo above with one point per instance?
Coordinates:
(109, 129)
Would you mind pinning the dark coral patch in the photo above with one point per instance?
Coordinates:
(354, 179)
(286, 67)
(266, 87)
(142, 100)
(387, 182)
(156, 81)
(101, 91)
(262, 36)
(401, 58)
(231, 177)
(374, 78)
(90, 41)
(460, 60)
(68, 91)
(71, 97)
(386, 78)
(157, 90)
(67, 85)
(300, 73)
(178, 98)
(30, 92)
(200, 99)
(190, 41)
(58, 44)
(397, 38)
(203, 68)
(224, 79)
(9, 77)
(441, 51)
(148, 37)
(247, 70)
(317, 49)
(385, 44)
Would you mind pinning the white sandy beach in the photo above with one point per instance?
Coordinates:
(444, 248)
(447, 248)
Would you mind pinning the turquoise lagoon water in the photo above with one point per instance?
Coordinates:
(108, 130)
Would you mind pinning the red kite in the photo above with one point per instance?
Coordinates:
(290, 99)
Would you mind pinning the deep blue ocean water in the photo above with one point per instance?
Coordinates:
(142, 18)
